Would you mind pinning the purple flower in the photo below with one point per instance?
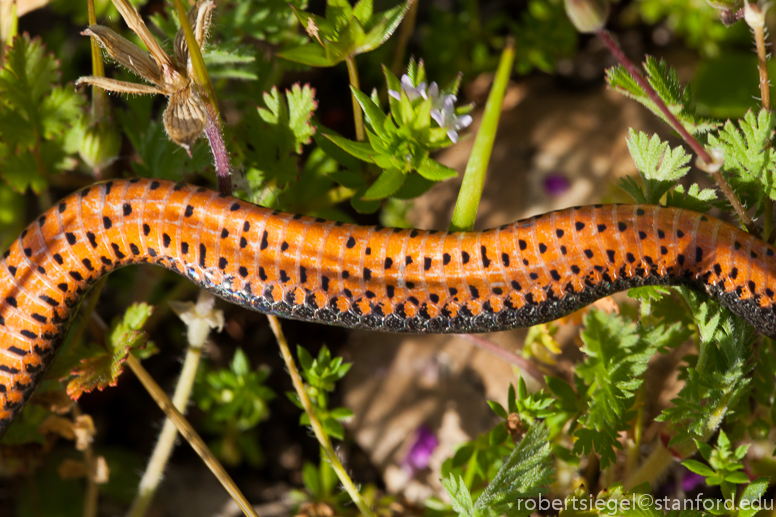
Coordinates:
(691, 481)
(423, 446)
(555, 184)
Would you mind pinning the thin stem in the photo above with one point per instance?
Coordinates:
(762, 66)
(696, 146)
(161, 455)
(320, 434)
(92, 489)
(191, 436)
(358, 116)
(524, 364)
(407, 26)
(99, 96)
(220, 154)
(474, 178)
(213, 126)
(765, 98)
(78, 331)
(656, 463)
(197, 62)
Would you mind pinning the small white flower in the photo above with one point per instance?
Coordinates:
(200, 317)
(411, 90)
(432, 93)
(446, 117)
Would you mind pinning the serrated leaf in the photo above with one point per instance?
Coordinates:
(617, 356)
(381, 27)
(525, 473)
(301, 106)
(693, 199)
(460, 497)
(751, 494)
(746, 147)
(659, 165)
(103, 371)
(36, 116)
(666, 83)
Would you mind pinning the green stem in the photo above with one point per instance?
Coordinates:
(320, 434)
(470, 470)
(358, 116)
(407, 27)
(474, 178)
(100, 106)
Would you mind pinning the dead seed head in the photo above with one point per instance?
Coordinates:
(185, 116)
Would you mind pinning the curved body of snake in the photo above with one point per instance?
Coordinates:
(386, 279)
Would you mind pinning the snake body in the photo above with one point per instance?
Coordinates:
(385, 279)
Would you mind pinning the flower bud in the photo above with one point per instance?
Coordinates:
(587, 15)
(100, 145)
(755, 15)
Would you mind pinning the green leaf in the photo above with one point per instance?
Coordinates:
(363, 11)
(276, 134)
(311, 54)
(737, 478)
(381, 27)
(103, 370)
(498, 409)
(414, 186)
(752, 494)
(718, 382)
(617, 356)
(460, 497)
(37, 117)
(301, 106)
(666, 83)
(435, 171)
(746, 147)
(360, 150)
(698, 468)
(373, 113)
(525, 473)
(386, 184)
(659, 165)
(694, 199)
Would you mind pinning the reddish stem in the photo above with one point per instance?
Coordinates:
(696, 146)
(615, 49)
(220, 154)
(524, 364)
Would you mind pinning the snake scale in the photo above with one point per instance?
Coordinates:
(385, 279)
